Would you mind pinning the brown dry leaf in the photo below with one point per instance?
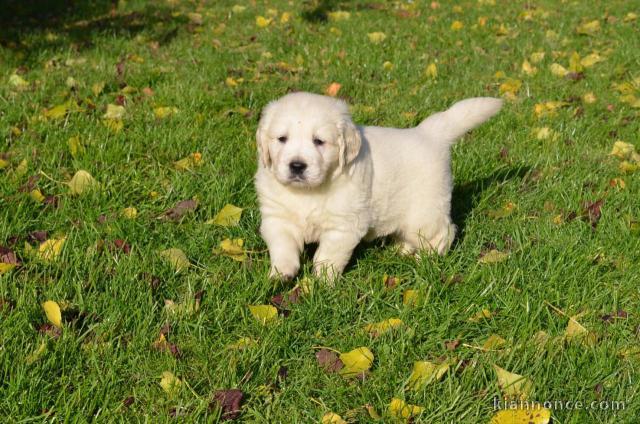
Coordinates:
(329, 361)
(182, 208)
(229, 401)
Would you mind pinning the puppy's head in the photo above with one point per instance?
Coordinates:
(306, 139)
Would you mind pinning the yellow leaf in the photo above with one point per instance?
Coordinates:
(527, 68)
(387, 66)
(503, 212)
(115, 125)
(401, 410)
(591, 59)
(238, 8)
(536, 57)
(242, 343)
(425, 372)
(541, 338)
(114, 112)
(37, 195)
(510, 86)
(456, 26)
(382, 326)
(6, 267)
(50, 249)
(97, 88)
(431, 71)
(229, 216)
(52, 311)
(169, 382)
(263, 22)
(574, 63)
(232, 248)
(188, 163)
(177, 259)
(377, 37)
(21, 169)
(558, 70)
(130, 212)
(513, 385)
(285, 17)
(3, 164)
(630, 17)
(164, 111)
(627, 167)
(82, 181)
(410, 297)
(263, 313)
(493, 256)
(75, 146)
(622, 150)
(35, 355)
(577, 332)
(356, 361)
(545, 133)
(494, 342)
(483, 314)
(339, 15)
(589, 28)
(17, 81)
(534, 415)
(332, 418)
(589, 98)
(332, 89)
(56, 112)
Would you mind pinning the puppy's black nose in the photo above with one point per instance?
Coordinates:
(297, 168)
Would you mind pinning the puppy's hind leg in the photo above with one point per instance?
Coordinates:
(428, 239)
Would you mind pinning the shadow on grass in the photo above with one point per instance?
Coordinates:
(32, 26)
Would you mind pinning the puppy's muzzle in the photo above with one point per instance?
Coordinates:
(297, 168)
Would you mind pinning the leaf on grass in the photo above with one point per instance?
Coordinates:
(503, 212)
(242, 343)
(591, 59)
(56, 112)
(376, 37)
(37, 195)
(425, 372)
(232, 248)
(332, 418)
(558, 70)
(622, 150)
(528, 68)
(588, 28)
(592, 212)
(577, 332)
(8, 257)
(482, 315)
(192, 161)
(76, 148)
(332, 89)
(494, 342)
(356, 362)
(262, 22)
(383, 326)
(229, 216)
(82, 182)
(50, 249)
(399, 409)
(548, 108)
(545, 133)
(129, 213)
(164, 111)
(431, 71)
(329, 361)
(115, 125)
(163, 345)
(264, 313)
(493, 256)
(513, 385)
(510, 86)
(536, 57)
(4, 268)
(115, 112)
(338, 15)
(52, 311)
(170, 383)
(589, 98)
(456, 25)
(97, 88)
(533, 415)
(177, 259)
(37, 354)
(229, 401)
(181, 208)
(18, 82)
(410, 297)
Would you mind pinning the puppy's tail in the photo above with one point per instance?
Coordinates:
(453, 123)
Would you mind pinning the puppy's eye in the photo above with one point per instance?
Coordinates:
(318, 142)
(282, 139)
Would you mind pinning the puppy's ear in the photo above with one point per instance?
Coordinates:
(262, 138)
(349, 141)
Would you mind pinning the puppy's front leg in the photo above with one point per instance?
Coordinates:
(285, 244)
(333, 254)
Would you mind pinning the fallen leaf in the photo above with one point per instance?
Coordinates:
(76, 148)
(82, 182)
(129, 213)
(238, 8)
(170, 383)
(52, 311)
(534, 415)
(376, 37)
(56, 112)
(264, 313)
(527, 68)
(592, 212)
(229, 216)
(536, 57)
(262, 22)
(456, 25)
(410, 297)
(383, 326)
(338, 15)
(332, 418)
(589, 98)
(4, 268)
(115, 112)
(164, 111)
(356, 361)
(399, 409)
(177, 259)
(589, 28)
(242, 343)
(493, 256)
(97, 88)
(577, 332)
(558, 70)
(192, 161)
(332, 89)
(494, 342)
(37, 354)
(329, 360)
(513, 385)
(18, 82)
(229, 401)
(483, 314)
(622, 150)
(50, 249)
(431, 71)
(503, 212)
(425, 372)
(181, 208)
(232, 248)
(591, 59)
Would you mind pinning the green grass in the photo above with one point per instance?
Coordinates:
(113, 315)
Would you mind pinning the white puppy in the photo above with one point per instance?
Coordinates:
(323, 179)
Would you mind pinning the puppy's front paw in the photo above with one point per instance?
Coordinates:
(326, 272)
(284, 272)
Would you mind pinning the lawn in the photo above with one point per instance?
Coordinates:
(153, 107)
